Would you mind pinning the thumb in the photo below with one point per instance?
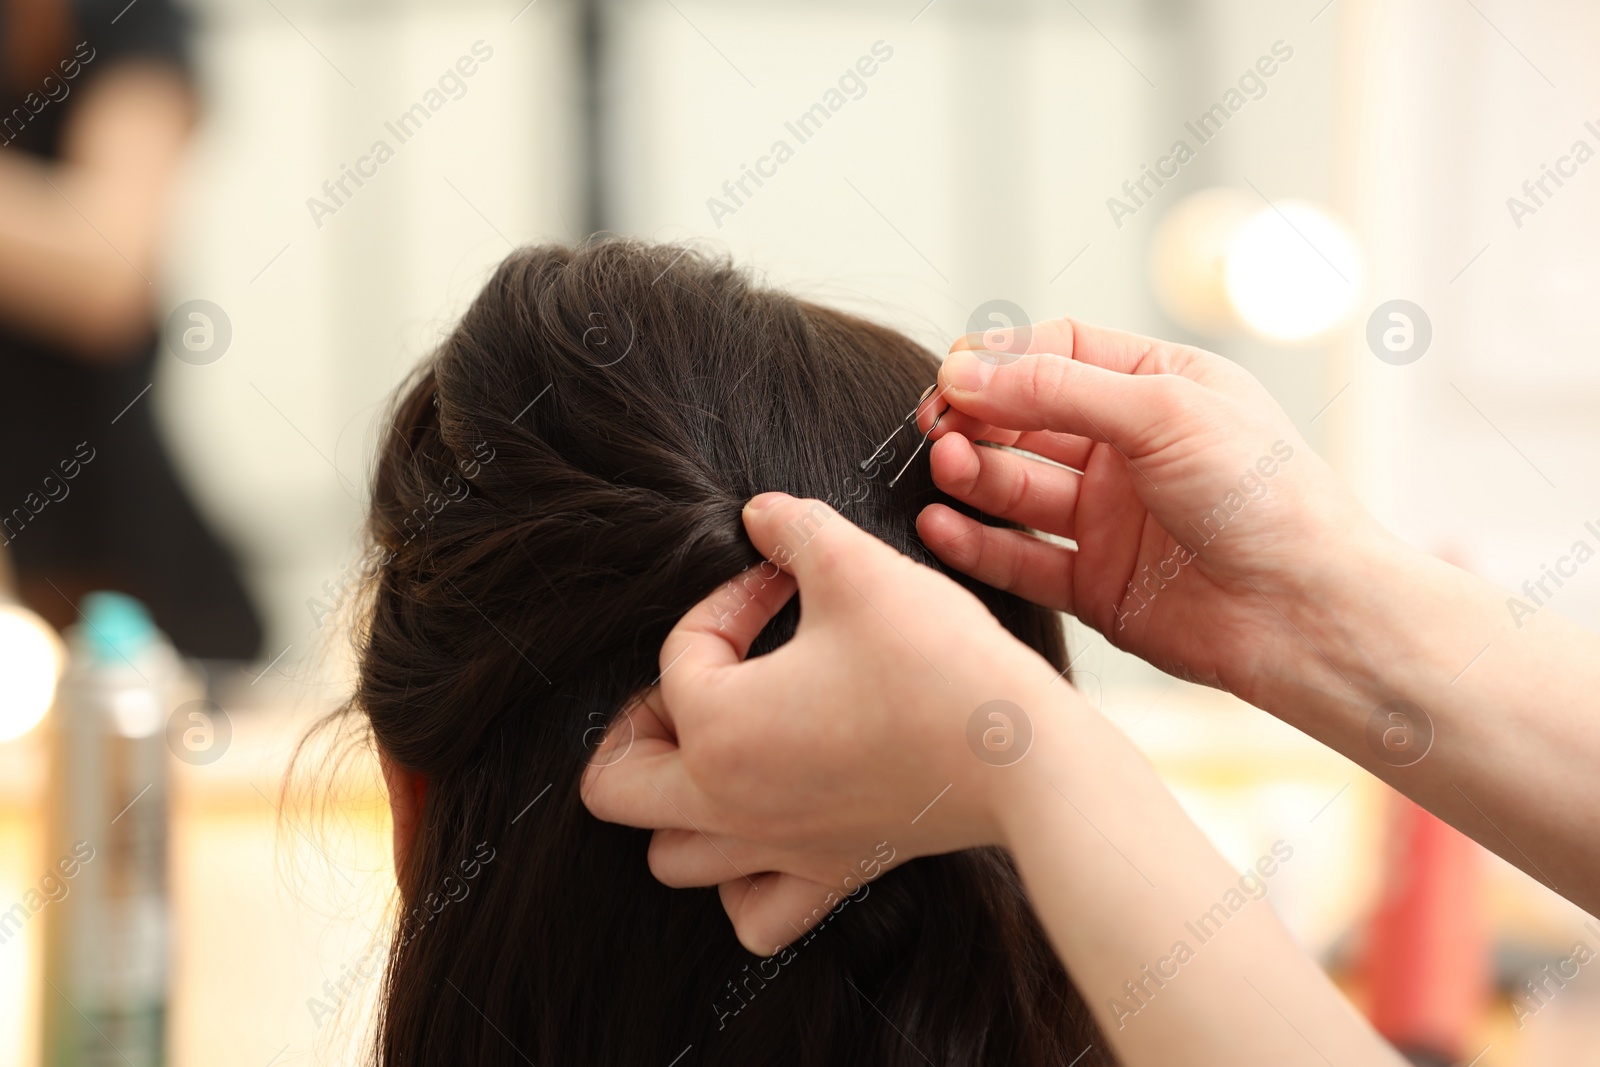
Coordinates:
(813, 542)
(1043, 391)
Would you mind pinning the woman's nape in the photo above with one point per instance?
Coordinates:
(560, 482)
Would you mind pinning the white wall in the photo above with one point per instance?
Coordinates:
(975, 165)
(1484, 447)
(278, 434)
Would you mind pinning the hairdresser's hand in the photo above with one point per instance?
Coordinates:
(791, 779)
(1203, 521)
(842, 753)
(1480, 708)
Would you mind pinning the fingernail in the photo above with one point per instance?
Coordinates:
(962, 370)
(765, 500)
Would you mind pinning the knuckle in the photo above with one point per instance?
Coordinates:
(990, 563)
(1019, 488)
(828, 553)
(1166, 357)
(1040, 380)
(1175, 397)
(1013, 572)
(972, 482)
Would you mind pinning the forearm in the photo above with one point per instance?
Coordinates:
(1180, 957)
(1506, 743)
(79, 236)
(60, 278)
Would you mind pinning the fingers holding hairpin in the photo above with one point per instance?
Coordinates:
(1008, 486)
(1067, 449)
(949, 421)
(912, 420)
(1052, 335)
(922, 443)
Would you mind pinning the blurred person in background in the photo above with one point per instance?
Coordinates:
(96, 105)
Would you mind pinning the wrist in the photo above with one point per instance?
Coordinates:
(1383, 621)
(1071, 743)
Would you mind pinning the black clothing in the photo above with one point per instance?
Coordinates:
(89, 497)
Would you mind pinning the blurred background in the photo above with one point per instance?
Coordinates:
(1351, 198)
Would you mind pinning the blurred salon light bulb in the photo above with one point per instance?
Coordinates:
(1292, 272)
(31, 659)
(1222, 263)
(1189, 258)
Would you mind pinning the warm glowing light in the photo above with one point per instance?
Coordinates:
(1189, 259)
(1292, 272)
(31, 658)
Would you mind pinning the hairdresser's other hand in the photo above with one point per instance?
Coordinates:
(1203, 521)
(842, 753)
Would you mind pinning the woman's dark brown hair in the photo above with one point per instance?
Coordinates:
(561, 482)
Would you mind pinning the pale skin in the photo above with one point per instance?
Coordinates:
(1113, 866)
(773, 778)
(1306, 607)
(80, 237)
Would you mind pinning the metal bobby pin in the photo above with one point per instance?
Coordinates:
(910, 419)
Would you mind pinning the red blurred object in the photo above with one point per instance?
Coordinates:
(1425, 960)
